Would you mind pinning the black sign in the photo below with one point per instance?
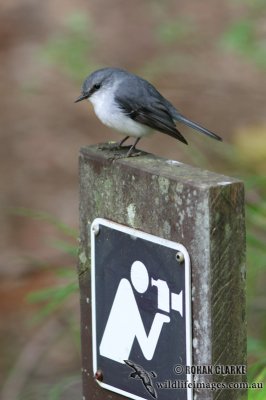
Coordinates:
(141, 313)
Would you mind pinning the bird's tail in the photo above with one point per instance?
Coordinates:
(180, 118)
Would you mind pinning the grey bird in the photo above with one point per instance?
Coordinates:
(133, 106)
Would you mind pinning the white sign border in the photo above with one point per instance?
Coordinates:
(163, 242)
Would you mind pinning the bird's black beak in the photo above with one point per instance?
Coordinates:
(81, 97)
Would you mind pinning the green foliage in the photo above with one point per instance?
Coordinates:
(169, 32)
(257, 373)
(173, 31)
(258, 394)
(52, 298)
(57, 391)
(255, 185)
(154, 68)
(46, 217)
(72, 49)
(257, 369)
(243, 38)
(240, 36)
(66, 247)
(256, 237)
(253, 4)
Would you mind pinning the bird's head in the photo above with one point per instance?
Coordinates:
(98, 81)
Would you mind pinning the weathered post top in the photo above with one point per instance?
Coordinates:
(202, 211)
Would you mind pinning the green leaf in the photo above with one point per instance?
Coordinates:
(44, 216)
(67, 272)
(54, 297)
(52, 294)
(57, 391)
(71, 50)
(255, 345)
(259, 377)
(240, 36)
(175, 30)
(65, 247)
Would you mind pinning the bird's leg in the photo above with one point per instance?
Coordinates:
(113, 145)
(123, 141)
(130, 152)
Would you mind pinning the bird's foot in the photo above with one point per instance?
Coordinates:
(136, 154)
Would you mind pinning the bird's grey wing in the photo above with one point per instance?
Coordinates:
(153, 114)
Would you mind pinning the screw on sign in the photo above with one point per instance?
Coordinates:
(99, 375)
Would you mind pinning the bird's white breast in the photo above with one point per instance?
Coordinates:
(111, 115)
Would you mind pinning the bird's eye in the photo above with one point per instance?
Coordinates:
(97, 86)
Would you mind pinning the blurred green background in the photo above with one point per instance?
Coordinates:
(209, 59)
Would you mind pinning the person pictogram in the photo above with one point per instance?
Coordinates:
(125, 324)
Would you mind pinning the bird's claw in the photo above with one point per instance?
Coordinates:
(136, 154)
